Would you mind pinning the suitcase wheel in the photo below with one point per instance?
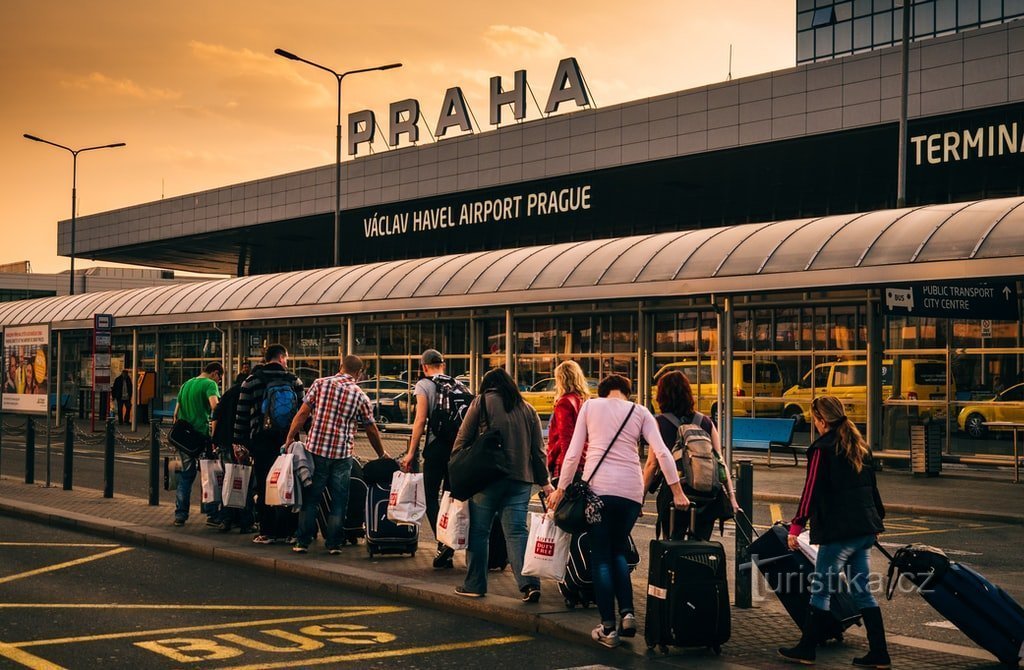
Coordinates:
(369, 549)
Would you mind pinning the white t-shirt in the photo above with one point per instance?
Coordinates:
(620, 474)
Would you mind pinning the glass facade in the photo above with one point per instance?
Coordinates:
(826, 29)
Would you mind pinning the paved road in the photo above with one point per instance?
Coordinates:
(70, 600)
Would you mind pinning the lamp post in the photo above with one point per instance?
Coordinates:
(74, 179)
(337, 160)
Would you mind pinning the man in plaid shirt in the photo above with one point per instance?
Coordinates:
(338, 406)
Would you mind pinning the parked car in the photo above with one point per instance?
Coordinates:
(542, 395)
(757, 387)
(1007, 406)
(394, 407)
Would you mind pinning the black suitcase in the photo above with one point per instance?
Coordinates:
(788, 573)
(687, 595)
(384, 536)
(577, 588)
(981, 610)
(354, 526)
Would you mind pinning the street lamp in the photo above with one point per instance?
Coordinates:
(74, 180)
(337, 160)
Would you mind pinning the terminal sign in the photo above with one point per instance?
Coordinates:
(954, 300)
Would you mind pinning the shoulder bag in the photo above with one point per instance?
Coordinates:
(478, 465)
(580, 507)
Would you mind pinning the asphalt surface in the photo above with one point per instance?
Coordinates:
(72, 600)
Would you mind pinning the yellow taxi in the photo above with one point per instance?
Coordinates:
(922, 379)
(757, 387)
(1007, 406)
(541, 396)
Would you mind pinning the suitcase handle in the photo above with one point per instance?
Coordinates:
(693, 520)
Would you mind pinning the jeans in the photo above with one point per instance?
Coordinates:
(609, 542)
(334, 474)
(836, 558)
(186, 477)
(510, 499)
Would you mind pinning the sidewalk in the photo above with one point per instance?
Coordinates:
(756, 631)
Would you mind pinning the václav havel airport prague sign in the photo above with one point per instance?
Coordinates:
(954, 300)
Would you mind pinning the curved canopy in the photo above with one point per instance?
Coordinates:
(975, 239)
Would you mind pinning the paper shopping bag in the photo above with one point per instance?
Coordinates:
(281, 468)
(547, 549)
(453, 522)
(235, 492)
(212, 477)
(408, 500)
(286, 482)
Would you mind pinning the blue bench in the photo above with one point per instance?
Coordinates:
(160, 414)
(767, 435)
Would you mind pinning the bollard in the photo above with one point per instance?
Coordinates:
(69, 451)
(154, 463)
(108, 462)
(744, 533)
(30, 451)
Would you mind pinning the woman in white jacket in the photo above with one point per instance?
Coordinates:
(617, 479)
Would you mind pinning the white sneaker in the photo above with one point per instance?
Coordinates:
(610, 640)
(628, 626)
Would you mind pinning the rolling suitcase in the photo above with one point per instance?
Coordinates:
(384, 536)
(354, 526)
(577, 588)
(981, 610)
(687, 594)
(788, 573)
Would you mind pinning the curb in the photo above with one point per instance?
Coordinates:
(922, 510)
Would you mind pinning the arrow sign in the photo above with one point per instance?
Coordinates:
(952, 300)
(1007, 292)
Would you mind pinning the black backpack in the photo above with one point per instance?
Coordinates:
(453, 399)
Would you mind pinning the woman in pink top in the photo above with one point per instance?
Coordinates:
(618, 480)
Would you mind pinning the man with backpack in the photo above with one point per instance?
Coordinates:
(197, 398)
(267, 402)
(337, 406)
(443, 401)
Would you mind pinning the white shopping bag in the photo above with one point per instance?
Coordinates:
(281, 470)
(212, 476)
(408, 501)
(286, 482)
(453, 522)
(547, 549)
(235, 491)
(806, 548)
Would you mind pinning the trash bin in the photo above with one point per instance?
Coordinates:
(926, 449)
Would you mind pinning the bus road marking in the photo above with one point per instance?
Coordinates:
(67, 564)
(22, 657)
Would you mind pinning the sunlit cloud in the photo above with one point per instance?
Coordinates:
(101, 83)
(239, 65)
(520, 42)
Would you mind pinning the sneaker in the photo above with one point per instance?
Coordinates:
(609, 639)
(179, 522)
(531, 594)
(443, 558)
(463, 591)
(212, 523)
(334, 551)
(263, 539)
(299, 549)
(628, 626)
(223, 526)
(291, 539)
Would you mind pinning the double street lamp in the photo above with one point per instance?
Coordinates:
(74, 179)
(337, 160)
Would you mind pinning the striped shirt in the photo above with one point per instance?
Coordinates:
(338, 407)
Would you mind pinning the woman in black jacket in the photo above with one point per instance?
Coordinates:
(841, 501)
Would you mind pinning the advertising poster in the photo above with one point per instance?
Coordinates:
(26, 378)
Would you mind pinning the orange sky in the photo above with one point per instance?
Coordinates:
(195, 90)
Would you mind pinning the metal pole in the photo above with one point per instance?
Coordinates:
(726, 412)
(509, 342)
(337, 188)
(30, 451)
(901, 179)
(154, 462)
(135, 380)
(74, 195)
(69, 453)
(60, 378)
(874, 380)
(108, 461)
(350, 336)
(744, 532)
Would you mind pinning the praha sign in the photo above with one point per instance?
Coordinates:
(404, 115)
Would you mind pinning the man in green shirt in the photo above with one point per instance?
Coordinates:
(196, 400)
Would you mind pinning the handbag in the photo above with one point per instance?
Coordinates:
(478, 465)
(580, 507)
(186, 439)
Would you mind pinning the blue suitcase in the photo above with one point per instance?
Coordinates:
(384, 536)
(981, 610)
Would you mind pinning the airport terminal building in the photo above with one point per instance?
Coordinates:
(753, 220)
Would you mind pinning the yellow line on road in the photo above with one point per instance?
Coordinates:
(937, 530)
(61, 566)
(12, 653)
(776, 512)
(231, 608)
(357, 611)
(53, 544)
(390, 653)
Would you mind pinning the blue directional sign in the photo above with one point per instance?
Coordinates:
(954, 300)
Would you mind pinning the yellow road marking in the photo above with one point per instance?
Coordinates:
(234, 608)
(357, 611)
(54, 544)
(61, 566)
(24, 658)
(390, 653)
(776, 512)
(936, 531)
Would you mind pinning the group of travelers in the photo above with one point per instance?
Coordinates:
(594, 439)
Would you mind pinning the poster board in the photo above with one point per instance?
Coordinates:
(26, 378)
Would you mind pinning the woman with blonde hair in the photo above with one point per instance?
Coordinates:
(840, 499)
(571, 391)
